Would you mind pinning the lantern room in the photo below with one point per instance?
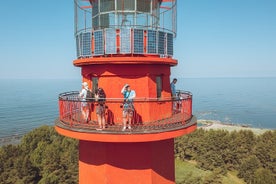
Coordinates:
(133, 27)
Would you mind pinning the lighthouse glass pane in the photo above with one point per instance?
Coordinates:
(95, 22)
(111, 20)
(152, 42)
(125, 19)
(104, 19)
(99, 46)
(143, 20)
(161, 42)
(155, 14)
(169, 44)
(125, 41)
(138, 41)
(167, 19)
(95, 8)
(110, 43)
(86, 44)
(125, 5)
(107, 5)
(143, 5)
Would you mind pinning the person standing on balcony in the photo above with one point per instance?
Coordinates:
(100, 107)
(174, 95)
(84, 104)
(173, 87)
(128, 107)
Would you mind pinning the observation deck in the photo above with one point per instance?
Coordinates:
(162, 125)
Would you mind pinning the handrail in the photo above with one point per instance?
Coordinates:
(73, 96)
(150, 115)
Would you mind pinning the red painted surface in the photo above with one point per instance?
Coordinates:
(141, 78)
(125, 163)
(126, 59)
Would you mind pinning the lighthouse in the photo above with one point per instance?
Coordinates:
(121, 43)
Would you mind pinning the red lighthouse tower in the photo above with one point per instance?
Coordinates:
(119, 42)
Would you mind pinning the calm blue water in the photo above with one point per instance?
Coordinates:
(27, 104)
(234, 100)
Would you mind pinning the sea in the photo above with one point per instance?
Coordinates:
(30, 103)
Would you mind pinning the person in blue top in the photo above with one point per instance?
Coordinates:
(173, 90)
(173, 87)
(128, 107)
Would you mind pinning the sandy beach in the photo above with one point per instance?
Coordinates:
(217, 125)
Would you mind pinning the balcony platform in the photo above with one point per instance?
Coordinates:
(149, 128)
(180, 121)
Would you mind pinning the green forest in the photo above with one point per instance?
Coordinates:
(252, 157)
(203, 157)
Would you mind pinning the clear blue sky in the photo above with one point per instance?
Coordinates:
(216, 38)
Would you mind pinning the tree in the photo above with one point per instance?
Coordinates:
(248, 168)
(263, 176)
(265, 150)
(43, 156)
(213, 178)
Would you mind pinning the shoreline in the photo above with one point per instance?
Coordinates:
(218, 125)
(202, 123)
(13, 139)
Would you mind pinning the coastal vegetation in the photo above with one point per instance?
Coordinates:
(203, 157)
(252, 157)
(42, 157)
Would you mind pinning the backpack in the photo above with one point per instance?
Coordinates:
(89, 95)
(102, 95)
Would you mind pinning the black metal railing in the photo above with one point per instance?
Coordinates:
(150, 114)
